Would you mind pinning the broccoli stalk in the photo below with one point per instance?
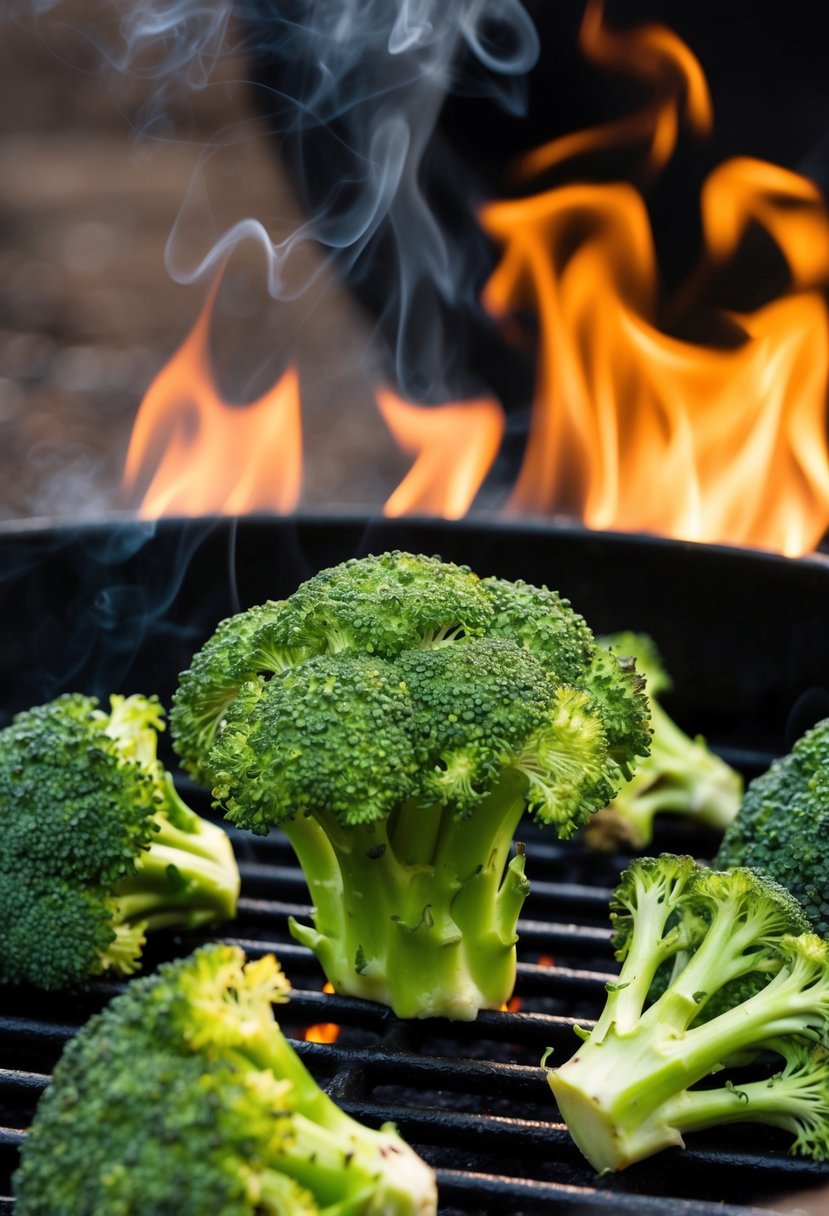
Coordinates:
(396, 716)
(97, 848)
(417, 911)
(795, 1098)
(681, 775)
(208, 1108)
(745, 976)
(185, 878)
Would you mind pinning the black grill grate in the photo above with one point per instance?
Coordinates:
(470, 1096)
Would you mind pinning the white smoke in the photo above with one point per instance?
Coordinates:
(178, 42)
(351, 91)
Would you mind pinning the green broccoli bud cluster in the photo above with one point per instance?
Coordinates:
(97, 848)
(740, 977)
(782, 826)
(183, 1096)
(397, 716)
(680, 776)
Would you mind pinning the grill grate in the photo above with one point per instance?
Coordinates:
(470, 1097)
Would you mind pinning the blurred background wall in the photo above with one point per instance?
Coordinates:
(92, 181)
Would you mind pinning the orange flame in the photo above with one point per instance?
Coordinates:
(635, 425)
(680, 95)
(454, 447)
(212, 457)
(637, 429)
(323, 1032)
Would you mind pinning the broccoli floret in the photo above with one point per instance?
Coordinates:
(546, 625)
(184, 1097)
(241, 647)
(296, 734)
(748, 979)
(782, 826)
(399, 758)
(96, 846)
(383, 605)
(681, 775)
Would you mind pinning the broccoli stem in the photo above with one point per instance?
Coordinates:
(649, 947)
(681, 776)
(338, 1159)
(318, 860)
(349, 1172)
(424, 893)
(787, 1100)
(186, 878)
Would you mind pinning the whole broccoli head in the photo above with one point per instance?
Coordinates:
(396, 717)
(680, 776)
(184, 1098)
(96, 846)
(782, 825)
(745, 976)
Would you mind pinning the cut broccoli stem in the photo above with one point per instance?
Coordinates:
(391, 914)
(622, 1091)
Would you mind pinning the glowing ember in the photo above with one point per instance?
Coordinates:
(454, 448)
(638, 429)
(205, 456)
